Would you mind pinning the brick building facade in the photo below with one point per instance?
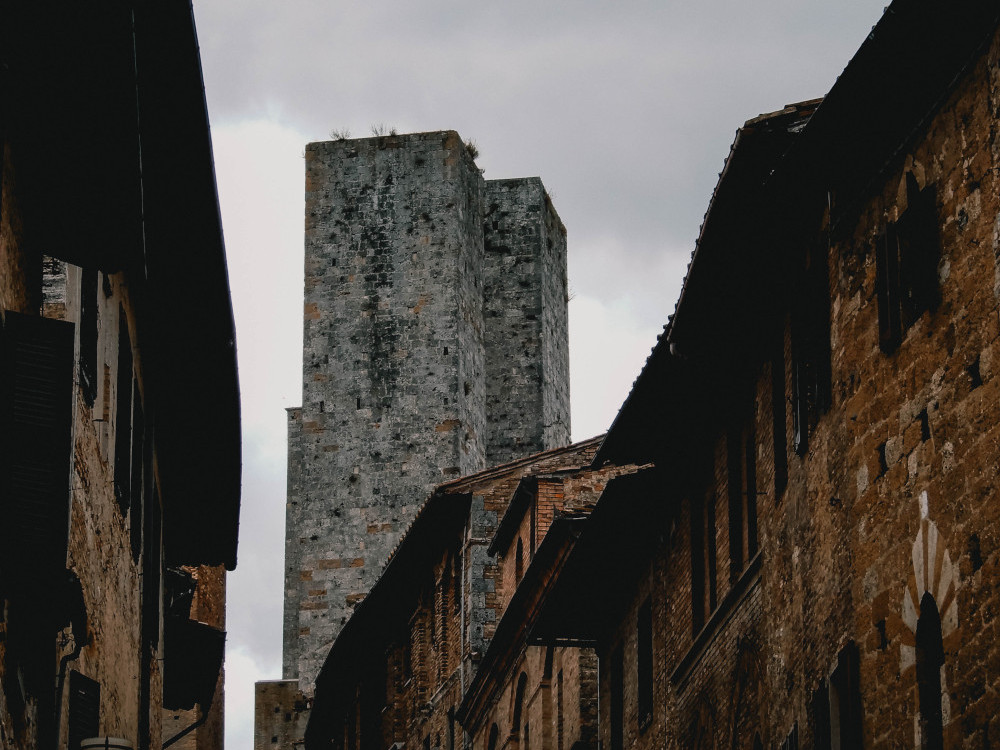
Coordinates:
(438, 639)
(119, 516)
(821, 413)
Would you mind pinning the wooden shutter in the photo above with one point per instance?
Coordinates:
(84, 709)
(36, 426)
(919, 253)
(887, 288)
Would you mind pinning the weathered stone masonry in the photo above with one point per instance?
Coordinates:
(432, 299)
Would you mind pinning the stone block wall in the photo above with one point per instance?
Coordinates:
(526, 321)
(280, 714)
(435, 341)
(393, 365)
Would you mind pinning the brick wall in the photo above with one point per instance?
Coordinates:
(896, 495)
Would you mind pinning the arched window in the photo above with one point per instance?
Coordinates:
(515, 725)
(930, 659)
(519, 562)
(494, 737)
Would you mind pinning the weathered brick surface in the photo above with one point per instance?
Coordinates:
(897, 494)
(435, 341)
(526, 321)
(441, 642)
(280, 714)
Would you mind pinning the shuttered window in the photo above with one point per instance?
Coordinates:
(88, 334)
(36, 427)
(644, 664)
(906, 260)
(84, 709)
(811, 370)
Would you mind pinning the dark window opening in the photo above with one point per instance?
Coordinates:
(617, 676)
(930, 659)
(811, 364)
(779, 438)
(644, 664)
(906, 258)
(742, 465)
(791, 742)
(704, 582)
(975, 376)
(443, 611)
(456, 594)
(88, 334)
(519, 562)
(522, 685)
(836, 705)
(494, 738)
(84, 709)
(925, 426)
(532, 521)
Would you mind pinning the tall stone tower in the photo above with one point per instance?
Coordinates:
(435, 345)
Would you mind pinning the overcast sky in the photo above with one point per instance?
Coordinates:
(626, 110)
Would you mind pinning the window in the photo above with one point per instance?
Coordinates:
(559, 711)
(494, 738)
(36, 402)
(88, 334)
(906, 258)
(644, 664)
(519, 562)
(742, 463)
(836, 705)
(617, 680)
(930, 659)
(779, 438)
(445, 588)
(811, 373)
(703, 558)
(791, 741)
(522, 685)
(84, 709)
(456, 594)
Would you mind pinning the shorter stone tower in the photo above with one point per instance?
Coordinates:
(435, 344)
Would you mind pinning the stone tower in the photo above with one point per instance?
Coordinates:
(435, 345)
